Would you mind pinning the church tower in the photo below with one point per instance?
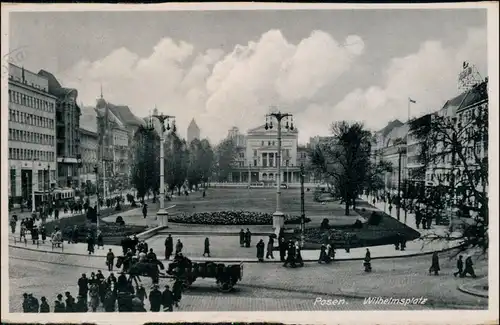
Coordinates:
(193, 131)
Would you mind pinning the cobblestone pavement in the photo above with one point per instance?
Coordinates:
(399, 278)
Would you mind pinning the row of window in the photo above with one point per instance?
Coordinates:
(31, 137)
(30, 154)
(30, 119)
(29, 101)
(286, 152)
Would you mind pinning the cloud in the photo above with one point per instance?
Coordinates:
(428, 76)
(237, 88)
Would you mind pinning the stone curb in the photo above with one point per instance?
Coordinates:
(466, 288)
(247, 260)
(150, 232)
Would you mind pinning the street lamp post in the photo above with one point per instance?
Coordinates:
(162, 213)
(278, 216)
(96, 171)
(33, 184)
(302, 206)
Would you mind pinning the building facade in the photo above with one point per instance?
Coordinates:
(193, 132)
(89, 148)
(257, 156)
(67, 132)
(32, 136)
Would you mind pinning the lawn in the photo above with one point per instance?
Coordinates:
(258, 200)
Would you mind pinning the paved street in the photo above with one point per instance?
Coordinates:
(391, 278)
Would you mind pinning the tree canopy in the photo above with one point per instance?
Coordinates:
(225, 155)
(146, 169)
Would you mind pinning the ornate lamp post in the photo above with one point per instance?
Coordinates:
(278, 216)
(162, 213)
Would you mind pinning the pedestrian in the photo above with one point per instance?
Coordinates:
(270, 248)
(460, 266)
(70, 303)
(151, 256)
(110, 259)
(282, 245)
(140, 292)
(59, 305)
(90, 243)
(56, 214)
(167, 299)
(34, 235)
(33, 304)
(81, 305)
(367, 262)
(13, 223)
(177, 292)
(83, 286)
(94, 296)
(260, 250)
(435, 264)
(242, 238)
(26, 303)
(206, 250)
(74, 235)
(178, 246)
(390, 209)
(110, 301)
(145, 210)
(248, 238)
(99, 276)
(468, 268)
(100, 239)
(155, 298)
(169, 247)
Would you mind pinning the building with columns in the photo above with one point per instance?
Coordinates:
(256, 156)
(32, 136)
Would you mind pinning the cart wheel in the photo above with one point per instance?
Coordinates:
(225, 287)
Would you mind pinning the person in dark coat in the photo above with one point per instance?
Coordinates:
(242, 238)
(122, 282)
(248, 238)
(33, 304)
(13, 223)
(90, 244)
(155, 298)
(206, 250)
(59, 305)
(83, 286)
(34, 234)
(367, 261)
(26, 303)
(70, 303)
(169, 247)
(290, 257)
(260, 250)
(141, 293)
(468, 268)
(110, 260)
(167, 299)
(145, 210)
(56, 214)
(435, 264)
(177, 292)
(323, 256)
(43, 233)
(151, 255)
(81, 305)
(283, 248)
(270, 248)
(460, 267)
(178, 246)
(110, 301)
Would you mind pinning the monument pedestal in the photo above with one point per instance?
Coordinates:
(162, 216)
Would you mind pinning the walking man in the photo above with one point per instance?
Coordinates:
(242, 238)
(178, 247)
(460, 267)
(468, 268)
(110, 259)
(169, 246)
(435, 264)
(207, 248)
(270, 248)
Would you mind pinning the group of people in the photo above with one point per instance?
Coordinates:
(461, 271)
(111, 293)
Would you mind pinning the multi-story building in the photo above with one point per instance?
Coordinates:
(193, 132)
(113, 140)
(257, 158)
(89, 144)
(32, 136)
(67, 132)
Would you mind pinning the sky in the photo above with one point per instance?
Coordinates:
(230, 68)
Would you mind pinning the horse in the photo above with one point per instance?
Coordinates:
(135, 270)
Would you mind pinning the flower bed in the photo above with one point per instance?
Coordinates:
(232, 218)
(112, 233)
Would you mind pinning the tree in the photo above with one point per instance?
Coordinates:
(463, 144)
(344, 160)
(225, 157)
(176, 162)
(374, 181)
(146, 167)
(200, 161)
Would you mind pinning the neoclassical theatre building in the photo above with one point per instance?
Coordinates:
(257, 156)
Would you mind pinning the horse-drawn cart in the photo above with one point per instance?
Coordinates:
(226, 276)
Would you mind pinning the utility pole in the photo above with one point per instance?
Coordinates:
(278, 216)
